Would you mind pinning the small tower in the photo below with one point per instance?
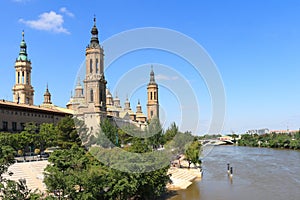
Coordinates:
(152, 91)
(47, 96)
(23, 91)
(78, 89)
(139, 108)
(127, 105)
(109, 98)
(140, 117)
(117, 103)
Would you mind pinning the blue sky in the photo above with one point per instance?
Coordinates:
(254, 44)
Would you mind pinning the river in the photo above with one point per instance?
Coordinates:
(258, 173)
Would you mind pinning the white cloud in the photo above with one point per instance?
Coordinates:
(66, 11)
(166, 78)
(51, 21)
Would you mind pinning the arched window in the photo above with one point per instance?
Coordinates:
(91, 95)
(154, 95)
(97, 66)
(23, 77)
(91, 66)
(150, 95)
(18, 77)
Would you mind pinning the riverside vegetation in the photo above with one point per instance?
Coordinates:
(74, 173)
(272, 140)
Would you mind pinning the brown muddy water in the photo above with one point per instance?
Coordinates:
(258, 173)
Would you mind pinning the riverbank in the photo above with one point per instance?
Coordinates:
(182, 176)
(272, 140)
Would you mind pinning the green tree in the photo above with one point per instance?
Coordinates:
(6, 159)
(47, 136)
(193, 153)
(18, 190)
(66, 174)
(171, 132)
(108, 134)
(67, 133)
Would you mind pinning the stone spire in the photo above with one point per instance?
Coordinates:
(139, 107)
(117, 103)
(127, 104)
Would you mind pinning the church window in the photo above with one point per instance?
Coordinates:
(22, 77)
(150, 95)
(154, 95)
(14, 126)
(97, 66)
(91, 66)
(27, 100)
(91, 95)
(18, 77)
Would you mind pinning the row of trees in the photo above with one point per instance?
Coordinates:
(272, 140)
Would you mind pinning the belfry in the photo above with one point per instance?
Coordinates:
(23, 91)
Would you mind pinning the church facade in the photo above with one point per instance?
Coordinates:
(93, 102)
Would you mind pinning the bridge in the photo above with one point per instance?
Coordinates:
(215, 142)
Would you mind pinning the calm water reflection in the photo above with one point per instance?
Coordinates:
(258, 173)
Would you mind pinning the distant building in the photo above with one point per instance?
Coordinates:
(284, 131)
(258, 131)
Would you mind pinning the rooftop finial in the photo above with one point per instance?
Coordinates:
(94, 40)
(23, 35)
(152, 79)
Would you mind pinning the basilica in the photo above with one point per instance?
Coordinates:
(94, 101)
(91, 102)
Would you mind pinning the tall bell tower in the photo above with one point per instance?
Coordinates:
(23, 91)
(95, 83)
(152, 102)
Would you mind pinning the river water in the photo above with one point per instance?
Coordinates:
(258, 173)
